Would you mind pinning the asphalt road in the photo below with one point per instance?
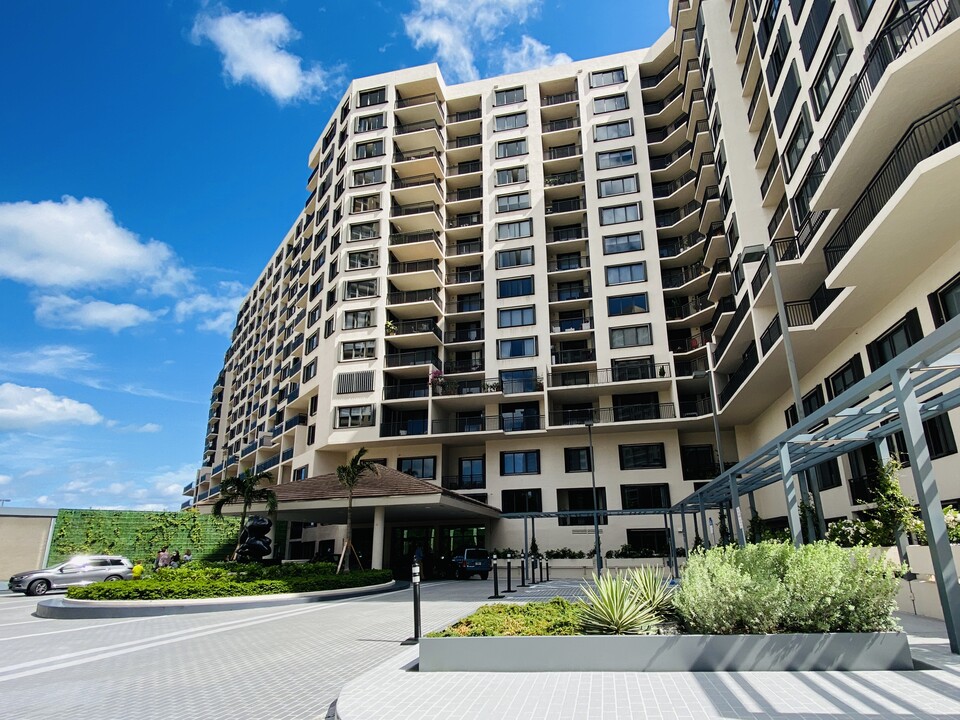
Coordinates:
(277, 663)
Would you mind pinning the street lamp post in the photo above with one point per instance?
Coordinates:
(596, 506)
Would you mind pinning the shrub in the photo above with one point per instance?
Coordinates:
(653, 589)
(774, 587)
(171, 586)
(556, 617)
(614, 608)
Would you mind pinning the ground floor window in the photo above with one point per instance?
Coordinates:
(651, 543)
(581, 499)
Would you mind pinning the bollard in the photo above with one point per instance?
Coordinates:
(547, 563)
(509, 588)
(496, 582)
(415, 582)
(540, 562)
(523, 569)
(532, 562)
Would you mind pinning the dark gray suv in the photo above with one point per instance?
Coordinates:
(78, 570)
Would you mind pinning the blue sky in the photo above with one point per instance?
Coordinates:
(152, 155)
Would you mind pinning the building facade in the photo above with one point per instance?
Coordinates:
(516, 286)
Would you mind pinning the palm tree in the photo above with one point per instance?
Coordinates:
(244, 488)
(349, 476)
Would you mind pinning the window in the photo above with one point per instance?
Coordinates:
(373, 97)
(778, 56)
(627, 304)
(945, 302)
(373, 176)
(614, 130)
(509, 176)
(511, 148)
(519, 381)
(614, 244)
(512, 501)
(895, 340)
(508, 97)
(523, 462)
(361, 289)
(610, 103)
(576, 459)
(359, 259)
(846, 377)
(360, 350)
(516, 317)
(515, 287)
(863, 9)
(519, 201)
(645, 497)
(788, 97)
(365, 203)
(355, 319)
(364, 231)
(616, 158)
(355, 416)
(514, 258)
(368, 150)
(328, 327)
(649, 543)
(519, 229)
(620, 214)
(798, 142)
(833, 65)
(940, 438)
(310, 371)
(812, 402)
(815, 27)
(617, 186)
(620, 274)
(517, 347)
(312, 343)
(828, 474)
(607, 77)
(632, 336)
(642, 457)
(581, 499)
(369, 123)
(510, 122)
(418, 467)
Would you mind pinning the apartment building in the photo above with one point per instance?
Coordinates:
(602, 271)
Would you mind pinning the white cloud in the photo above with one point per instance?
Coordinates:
(22, 408)
(78, 243)
(252, 50)
(5, 479)
(530, 55)
(51, 360)
(170, 483)
(44, 500)
(148, 428)
(457, 29)
(60, 311)
(215, 312)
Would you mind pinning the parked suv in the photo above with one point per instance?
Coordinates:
(473, 561)
(78, 570)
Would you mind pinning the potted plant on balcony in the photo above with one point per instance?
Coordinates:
(390, 327)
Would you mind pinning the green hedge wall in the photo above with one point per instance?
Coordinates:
(139, 535)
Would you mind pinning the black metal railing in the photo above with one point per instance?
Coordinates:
(653, 80)
(681, 312)
(463, 482)
(402, 297)
(413, 266)
(415, 327)
(469, 193)
(415, 237)
(677, 277)
(731, 330)
(445, 387)
(464, 141)
(559, 98)
(406, 392)
(458, 277)
(405, 129)
(568, 262)
(418, 154)
(460, 335)
(688, 368)
(564, 178)
(466, 306)
(770, 335)
(561, 124)
(737, 378)
(453, 367)
(567, 233)
(574, 292)
(466, 220)
(563, 151)
(657, 106)
(579, 355)
(416, 426)
(425, 99)
(665, 189)
(415, 209)
(465, 247)
(566, 205)
(659, 162)
(465, 168)
(412, 357)
(464, 115)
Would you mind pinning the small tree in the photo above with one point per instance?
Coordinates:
(245, 489)
(349, 475)
(895, 512)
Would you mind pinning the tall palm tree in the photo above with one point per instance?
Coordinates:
(349, 476)
(245, 489)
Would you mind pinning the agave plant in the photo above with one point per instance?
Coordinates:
(653, 589)
(614, 608)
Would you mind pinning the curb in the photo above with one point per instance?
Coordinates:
(63, 608)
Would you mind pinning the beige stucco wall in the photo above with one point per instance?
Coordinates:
(23, 543)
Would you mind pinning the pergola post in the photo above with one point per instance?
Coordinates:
(737, 516)
(753, 510)
(790, 491)
(673, 544)
(944, 568)
(703, 524)
(683, 531)
(804, 494)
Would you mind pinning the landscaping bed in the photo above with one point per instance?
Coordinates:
(216, 580)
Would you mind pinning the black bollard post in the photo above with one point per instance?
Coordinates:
(540, 562)
(496, 582)
(415, 581)
(509, 587)
(523, 569)
(547, 562)
(532, 562)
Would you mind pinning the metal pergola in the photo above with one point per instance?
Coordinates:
(919, 383)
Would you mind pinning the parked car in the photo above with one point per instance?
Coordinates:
(78, 570)
(472, 561)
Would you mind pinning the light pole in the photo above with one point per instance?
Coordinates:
(4, 501)
(596, 507)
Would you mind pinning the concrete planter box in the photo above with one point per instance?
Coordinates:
(585, 568)
(667, 653)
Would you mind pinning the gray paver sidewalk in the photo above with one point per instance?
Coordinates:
(393, 691)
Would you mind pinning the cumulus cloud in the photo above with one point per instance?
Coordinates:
(78, 243)
(457, 30)
(252, 50)
(23, 408)
(61, 311)
(215, 312)
(530, 55)
(169, 484)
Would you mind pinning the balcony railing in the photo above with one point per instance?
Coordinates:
(458, 277)
(695, 408)
(567, 233)
(463, 335)
(404, 427)
(761, 136)
(672, 217)
(409, 238)
(470, 193)
(559, 98)
(414, 266)
(680, 312)
(400, 129)
(761, 275)
(416, 181)
(445, 387)
(406, 392)
(564, 178)
(466, 306)
(770, 335)
(564, 151)
(418, 154)
(926, 137)
(737, 378)
(576, 262)
(453, 367)
(415, 209)
(656, 106)
(618, 414)
(462, 221)
(742, 309)
(806, 312)
(655, 135)
(268, 463)
(576, 292)
(425, 99)
(687, 368)
(580, 355)
(464, 141)
(465, 168)
(464, 115)
(606, 376)
(412, 357)
(665, 189)
(415, 327)
(688, 344)
(562, 124)
(659, 162)
(566, 205)
(653, 80)
(671, 247)
(677, 277)
(463, 482)
(465, 247)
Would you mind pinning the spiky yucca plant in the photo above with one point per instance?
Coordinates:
(653, 589)
(614, 608)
